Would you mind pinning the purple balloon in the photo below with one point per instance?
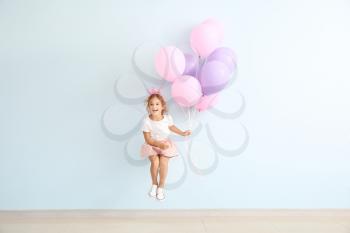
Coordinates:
(191, 65)
(224, 55)
(227, 51)
(214, 77)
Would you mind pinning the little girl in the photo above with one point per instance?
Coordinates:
(158, 148)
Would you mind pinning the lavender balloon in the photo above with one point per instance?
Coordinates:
(224, 55)
(214, 77)
(191, 65)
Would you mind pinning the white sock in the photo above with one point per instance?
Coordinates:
(153, 191)
(160, 194)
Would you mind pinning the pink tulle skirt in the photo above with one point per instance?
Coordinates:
(148, 150)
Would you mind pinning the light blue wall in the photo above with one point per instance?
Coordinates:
(58, 64)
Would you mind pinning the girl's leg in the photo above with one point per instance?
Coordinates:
(154, 168)
(163, 161)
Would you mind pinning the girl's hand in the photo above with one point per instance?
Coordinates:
(164, 145)
(186, 133)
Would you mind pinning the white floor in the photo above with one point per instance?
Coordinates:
(177, 221)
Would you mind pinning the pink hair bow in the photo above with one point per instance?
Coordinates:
(153, 91)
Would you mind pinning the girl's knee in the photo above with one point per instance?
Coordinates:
(154, 159)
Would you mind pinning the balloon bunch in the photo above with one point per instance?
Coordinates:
(198, 79)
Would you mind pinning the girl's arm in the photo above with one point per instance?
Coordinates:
(149, 140)
(176, 130)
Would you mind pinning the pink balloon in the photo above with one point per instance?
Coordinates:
(170, 63)
(207, 101)
(204, 39)
(219, 27)
(186, 91)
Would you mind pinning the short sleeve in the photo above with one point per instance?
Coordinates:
(146, 126)
(170, 121)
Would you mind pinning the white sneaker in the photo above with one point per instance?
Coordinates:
(160, 194)
(153, 191)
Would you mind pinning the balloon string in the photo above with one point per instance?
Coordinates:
(189, 118)
(183, 111)
(193, 116)
(189, 122)
(185, 114)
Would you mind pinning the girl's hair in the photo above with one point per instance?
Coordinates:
(161, 99)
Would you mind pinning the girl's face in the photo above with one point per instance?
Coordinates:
(155, 107)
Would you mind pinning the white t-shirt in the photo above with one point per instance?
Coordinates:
(159, 129)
